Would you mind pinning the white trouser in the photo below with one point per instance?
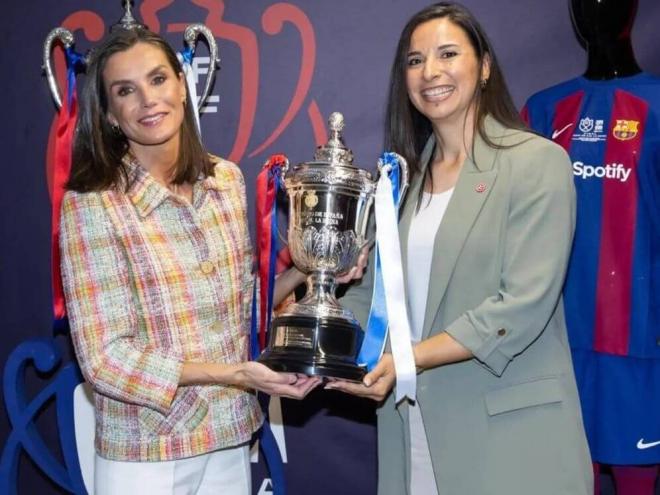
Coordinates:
(223, 472)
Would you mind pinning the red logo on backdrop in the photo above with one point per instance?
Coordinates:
(273, 19)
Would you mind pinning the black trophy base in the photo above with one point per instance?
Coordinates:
(326, 347)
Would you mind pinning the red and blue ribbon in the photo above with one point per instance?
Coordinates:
(268, 184)
(66, 123)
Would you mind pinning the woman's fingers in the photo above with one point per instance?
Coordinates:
(374, 375)
(296, 391)
(356, 271)
(375, 385)
(308, 384)
(295, 386)
(376, 392)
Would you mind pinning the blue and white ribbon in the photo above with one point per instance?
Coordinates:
(388, 308)
(186, 57)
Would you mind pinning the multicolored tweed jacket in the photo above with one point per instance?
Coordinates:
(152, 281)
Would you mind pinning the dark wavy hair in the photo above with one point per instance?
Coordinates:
(98, 149)
(406, 129)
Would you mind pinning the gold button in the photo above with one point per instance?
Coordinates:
(501, 332)
(207, 267)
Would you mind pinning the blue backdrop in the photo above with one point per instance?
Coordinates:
(285, 67)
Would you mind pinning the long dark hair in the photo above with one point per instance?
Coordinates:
(406, 129)
(98, 149)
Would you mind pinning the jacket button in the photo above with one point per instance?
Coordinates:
(501, 332)
(207, 267)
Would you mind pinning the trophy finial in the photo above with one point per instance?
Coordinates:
(335, 151)
(127, 21)
(336, 122)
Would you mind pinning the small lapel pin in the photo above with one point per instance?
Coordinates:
(481, 187)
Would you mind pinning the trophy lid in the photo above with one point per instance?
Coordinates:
(127, 21)
(335, 151)
(332, 165)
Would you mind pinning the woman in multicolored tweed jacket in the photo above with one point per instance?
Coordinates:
(156, 264)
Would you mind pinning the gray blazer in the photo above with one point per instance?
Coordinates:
(506, 422)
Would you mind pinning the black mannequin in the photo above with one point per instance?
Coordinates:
(604, 26)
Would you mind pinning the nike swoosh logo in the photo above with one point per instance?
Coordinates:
(558, 132)
(641, 445)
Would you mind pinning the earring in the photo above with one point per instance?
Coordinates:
(483, 83)
(116, 130)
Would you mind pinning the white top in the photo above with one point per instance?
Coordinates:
(423, 229)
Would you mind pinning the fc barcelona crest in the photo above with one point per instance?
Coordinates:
(625, 129)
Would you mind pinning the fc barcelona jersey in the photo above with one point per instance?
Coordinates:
(611, 130)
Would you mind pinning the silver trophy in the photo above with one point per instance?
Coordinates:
(128, 21)
(330, 200)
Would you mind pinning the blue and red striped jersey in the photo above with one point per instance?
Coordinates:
(611, 130)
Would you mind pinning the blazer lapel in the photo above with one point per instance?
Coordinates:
(409, 206)
(470, 193)
(464, 207)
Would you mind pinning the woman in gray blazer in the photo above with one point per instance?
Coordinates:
(486, 232)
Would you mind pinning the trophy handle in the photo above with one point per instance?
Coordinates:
(404, 176)
(190, 36)
(66, 38)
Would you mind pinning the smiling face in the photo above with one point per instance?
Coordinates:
(145, 97)
(443, 72)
